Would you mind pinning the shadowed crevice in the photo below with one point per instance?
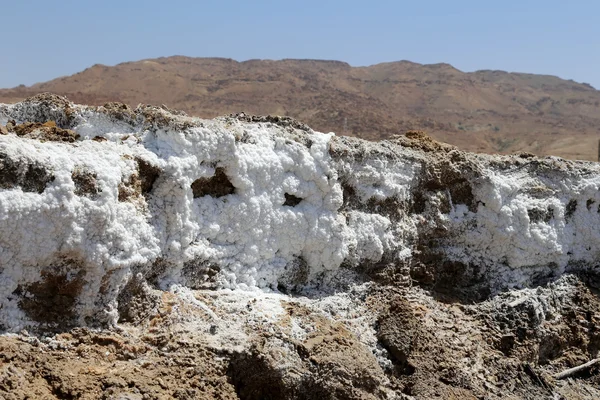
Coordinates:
(216, 186)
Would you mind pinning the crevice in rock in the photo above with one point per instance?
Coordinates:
(255, 379)
(85, 183)
(291, 200)
(200, 274)
(589, 203)
(391, 207)
(295, 276)
(148, 174)
(216, 186)
(139, 183)
(570, 208)
(538, 214)
(449, 281)
(451, 176)
(397, 331)
(53, 299)
(136, 301)
(349, 196)
(30, 176)
(154, 271)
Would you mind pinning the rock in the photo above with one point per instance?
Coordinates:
(329, 364)
(47, 131)
(273, 119)
(30, 176)
(85, 183)
(398, 330)
(140, 183)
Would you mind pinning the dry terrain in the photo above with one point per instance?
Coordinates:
(434, 349)
(483, 111)
(461, 276)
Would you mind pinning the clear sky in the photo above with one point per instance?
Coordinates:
(42, 39)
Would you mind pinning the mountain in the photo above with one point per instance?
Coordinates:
(484, 111)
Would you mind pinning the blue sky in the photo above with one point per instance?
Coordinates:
(42, 40)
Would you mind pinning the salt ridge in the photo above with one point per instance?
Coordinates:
(251, 236)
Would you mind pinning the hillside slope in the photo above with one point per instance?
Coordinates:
(486, 111)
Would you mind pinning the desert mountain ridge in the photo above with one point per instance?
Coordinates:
(485, 111)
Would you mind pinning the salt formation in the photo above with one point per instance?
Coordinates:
(235, 203)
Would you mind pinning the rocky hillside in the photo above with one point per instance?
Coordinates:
(145, 254)
(484, 111)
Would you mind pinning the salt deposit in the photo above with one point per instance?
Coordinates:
(231, 204)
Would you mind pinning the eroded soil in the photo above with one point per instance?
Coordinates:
(377, 343)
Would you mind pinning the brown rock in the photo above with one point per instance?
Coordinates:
(216, 186)
(330, 363)
(85, 182)
(47, 131)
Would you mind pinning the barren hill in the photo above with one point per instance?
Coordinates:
(487, 111)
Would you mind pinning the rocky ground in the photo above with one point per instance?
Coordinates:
(374, 342)
(461, 276)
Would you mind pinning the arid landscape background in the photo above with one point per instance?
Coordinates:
(483, 111)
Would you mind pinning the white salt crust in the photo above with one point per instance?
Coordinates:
(250, 234)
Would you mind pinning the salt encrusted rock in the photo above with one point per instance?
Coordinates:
(244, 202)
(47, 131)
